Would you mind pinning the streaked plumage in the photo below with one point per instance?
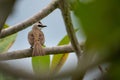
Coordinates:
(36, 39)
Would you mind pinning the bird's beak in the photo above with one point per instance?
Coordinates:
(42, 26)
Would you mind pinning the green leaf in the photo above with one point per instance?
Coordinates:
(59, 59)
(7, 42)
(41, 64)
(100, 20)
(5, 26)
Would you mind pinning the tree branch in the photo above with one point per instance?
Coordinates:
(28, 52)
(64, 6)
(40, 15)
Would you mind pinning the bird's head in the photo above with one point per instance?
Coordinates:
(39, 25)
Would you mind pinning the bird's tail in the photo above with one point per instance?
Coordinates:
(37, 49)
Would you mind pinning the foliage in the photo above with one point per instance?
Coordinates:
(100, 20)
(59, 59)
(41, 64)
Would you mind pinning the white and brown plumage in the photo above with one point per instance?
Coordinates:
(36, 39)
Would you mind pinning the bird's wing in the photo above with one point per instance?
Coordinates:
(42, 38)
(31, 38)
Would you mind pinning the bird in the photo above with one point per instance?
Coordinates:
(36, 39)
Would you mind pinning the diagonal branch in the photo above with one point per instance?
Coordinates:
(64, 6)
(28, 52)
(40, 15)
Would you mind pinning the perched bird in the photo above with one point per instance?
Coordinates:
(36, 39)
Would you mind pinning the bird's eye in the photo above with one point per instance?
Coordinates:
(39, 22)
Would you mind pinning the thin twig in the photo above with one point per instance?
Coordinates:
(28, 52)
(40, 15)
(101, 69)
(64, 6)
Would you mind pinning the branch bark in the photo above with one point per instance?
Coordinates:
(28, 52)
(64, 6)
(40, 15)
